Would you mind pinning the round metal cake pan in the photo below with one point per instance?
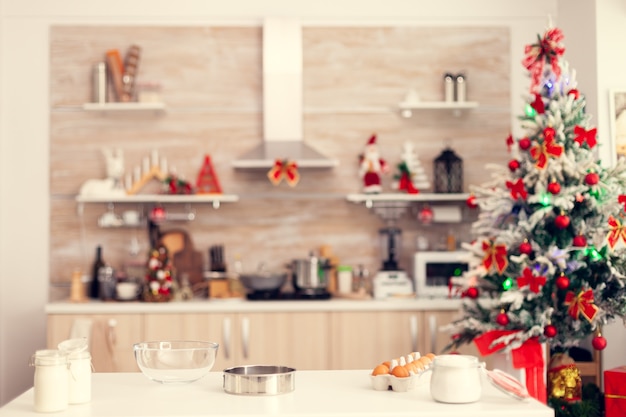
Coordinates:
(259, 380)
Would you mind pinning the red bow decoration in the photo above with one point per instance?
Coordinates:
(517, 189)
(284, 169)
(581, 304)
(529, 356)
(495, 256)
(548, 148)
(583, 136)
(616, 231)
(547, 49)
(532, 281)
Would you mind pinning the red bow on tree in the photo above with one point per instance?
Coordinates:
(517, 189)
(532, 281)
(542, 151)
(583, 136)
(509, 142)
(495, 256)
(284, 169)
(547, 49)
(538, 105)
(616, 231)
(581, 304)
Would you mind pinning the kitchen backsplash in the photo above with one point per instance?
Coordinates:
(211, 79)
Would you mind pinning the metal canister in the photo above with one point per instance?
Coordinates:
(99, 79)
(448, 87)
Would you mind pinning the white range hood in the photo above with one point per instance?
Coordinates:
(282, 102)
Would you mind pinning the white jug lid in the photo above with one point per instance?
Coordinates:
(71, 346)
(508, 384)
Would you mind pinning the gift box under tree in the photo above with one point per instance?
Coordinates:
(615, 392)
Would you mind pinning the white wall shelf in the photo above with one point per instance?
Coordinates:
(400, 197)
(125, 107)
(214, 199)
(407, 108)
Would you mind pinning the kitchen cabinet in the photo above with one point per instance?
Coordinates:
(297, 339)
(110, 337)
(363, 339)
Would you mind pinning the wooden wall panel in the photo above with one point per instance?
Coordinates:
(353, 79)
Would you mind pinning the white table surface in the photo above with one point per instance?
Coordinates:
(316, 394)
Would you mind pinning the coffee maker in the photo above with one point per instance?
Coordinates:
(391, 281)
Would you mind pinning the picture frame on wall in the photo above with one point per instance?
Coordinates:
(617, 112)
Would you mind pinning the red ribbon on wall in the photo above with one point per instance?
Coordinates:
(529, 356)
(287, 170)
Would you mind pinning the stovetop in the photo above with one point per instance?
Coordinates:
(278, 296)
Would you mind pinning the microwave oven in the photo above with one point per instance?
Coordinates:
(432, 271)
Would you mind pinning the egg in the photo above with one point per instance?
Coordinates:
(400, 372)
(418, 365)
(381, 369)
(431, 356)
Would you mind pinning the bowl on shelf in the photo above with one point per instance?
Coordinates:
(175, 361)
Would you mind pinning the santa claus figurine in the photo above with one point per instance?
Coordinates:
(371, 168)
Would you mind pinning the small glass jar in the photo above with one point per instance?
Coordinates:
(50, 382)
(79, 365)
(344, 279)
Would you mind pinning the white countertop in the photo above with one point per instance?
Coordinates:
(316, 394)
(242, 305)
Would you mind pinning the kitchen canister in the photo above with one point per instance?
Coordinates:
(456, 379)
(51, 384)
(79, 365)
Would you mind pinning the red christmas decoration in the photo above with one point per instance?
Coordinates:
(495, 256)
(592, 178)
(598, 342)
(158, 214)
(579, 241)
(207, 181)
(554, 188)
(502, 319)
(617, 231)
(531, 280)
(548, 49)
(472, 292)
(513, 165)
(550, 330)
(426, 215)
(526, 248)
(581, 304)
(561, 221)
(548, 148)
(524, 143)
(509, 142)
(585, 136)
(538, 105)
(471, 201)
(517, 189)
(284, 169)
(574, 92)
(562, 282)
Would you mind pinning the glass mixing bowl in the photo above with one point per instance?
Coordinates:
(175, 361)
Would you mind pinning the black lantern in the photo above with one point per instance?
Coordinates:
(448, 172)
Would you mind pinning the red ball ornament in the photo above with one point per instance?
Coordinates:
(598, 343)
(550, 330)
(579, 241)
(592, 178)
(471, 201)
(562, 282)
(502, 319)
(525, 248)
(426, 215)
(574, 92)
(561, 221)
(472, 292)
(554, 188)
(524, 143)
(158, 214)
(513, 165)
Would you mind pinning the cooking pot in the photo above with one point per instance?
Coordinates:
(310, 274)
(262, 281)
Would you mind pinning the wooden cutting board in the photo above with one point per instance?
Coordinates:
(184, 258)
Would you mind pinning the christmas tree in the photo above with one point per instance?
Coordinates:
(547, 264)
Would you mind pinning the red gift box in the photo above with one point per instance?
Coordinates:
(615, 392)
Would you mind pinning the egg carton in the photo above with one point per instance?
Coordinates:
(394, 383)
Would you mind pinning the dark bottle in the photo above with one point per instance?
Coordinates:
(94, 287)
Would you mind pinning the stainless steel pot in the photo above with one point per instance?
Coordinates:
(259, 380)
(310, 274)
(263, 282)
